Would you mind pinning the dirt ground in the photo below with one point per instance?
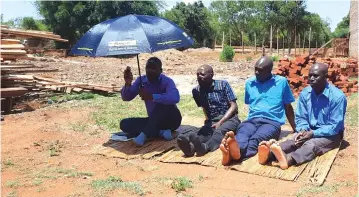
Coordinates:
(42, 154)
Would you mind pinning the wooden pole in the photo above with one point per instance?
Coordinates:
(299, 44)
(303, 42)
(277, 43)
(215, 42)
(242, 43)
(255, 43)
(283, 46)
(230, 38)
(295, 41)
(223, 41)
(310, 31)
(316, 45)
(271, 37)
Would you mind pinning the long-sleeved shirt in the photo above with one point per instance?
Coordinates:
(323, 114)
(164, 91)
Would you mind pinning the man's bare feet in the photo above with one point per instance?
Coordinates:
(264, 151)
(233, 146)
(280, 155)
(226, 157)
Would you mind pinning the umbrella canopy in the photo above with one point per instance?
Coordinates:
(131, 34)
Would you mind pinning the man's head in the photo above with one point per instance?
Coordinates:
(153, 68)
(317, 77)
(263, 69)
(205, 76)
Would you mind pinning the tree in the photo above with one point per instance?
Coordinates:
(71, 19)
(29, 23)
(195, 21)
(342, 29)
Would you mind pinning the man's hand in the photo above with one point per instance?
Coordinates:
(127, 75)
(145, 95)
(216, 125)
(304, 137)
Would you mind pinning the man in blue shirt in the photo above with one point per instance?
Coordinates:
(160, 95)
(319, 122)
(269, 98)
(218, 102)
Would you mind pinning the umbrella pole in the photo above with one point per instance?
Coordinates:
(139, 70)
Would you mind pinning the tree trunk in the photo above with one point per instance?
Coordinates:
(242, 43)
(223, 41)
(303, 42)
(310, 31)
(255, 43)
(277, 43)
(295, 41)
(271, 41)
(299, 44)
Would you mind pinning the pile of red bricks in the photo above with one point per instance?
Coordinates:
(296, 71)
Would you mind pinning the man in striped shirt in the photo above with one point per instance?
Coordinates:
(219, 105)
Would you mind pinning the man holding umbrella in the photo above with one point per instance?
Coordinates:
(160, 95)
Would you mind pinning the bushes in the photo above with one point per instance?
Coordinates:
(227, 54)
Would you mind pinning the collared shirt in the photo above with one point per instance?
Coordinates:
(164, 91)
(267, 100)
(324, 113)
(215, 100)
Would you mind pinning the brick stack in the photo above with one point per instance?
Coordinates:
(296, 71)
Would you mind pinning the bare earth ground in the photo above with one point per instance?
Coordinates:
(45, 152)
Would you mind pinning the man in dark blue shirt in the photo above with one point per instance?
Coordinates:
(319, 122)
(160, 95)
(218, 102)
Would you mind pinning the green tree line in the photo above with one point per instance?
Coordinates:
(240, 20)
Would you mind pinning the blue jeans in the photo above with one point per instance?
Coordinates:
(251, 132)
(162, 117)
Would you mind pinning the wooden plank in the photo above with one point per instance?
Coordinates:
(10, 41)
(29, 32)
(32, 34)
(29, 71)
(14, 57)
(16, 77)
(4, 26)
(12, 92)
(12, 46)
(12, 52)
(15, 66)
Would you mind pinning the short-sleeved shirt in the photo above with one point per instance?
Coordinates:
(267, 100)
(215, 100)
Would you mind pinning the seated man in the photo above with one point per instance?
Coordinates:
(219, 105)
(268, 97)
(319, 121)
(160, 95)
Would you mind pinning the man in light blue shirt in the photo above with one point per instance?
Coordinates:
(319, 122)
(269, 99)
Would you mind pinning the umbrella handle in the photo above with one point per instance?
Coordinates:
(139, 70)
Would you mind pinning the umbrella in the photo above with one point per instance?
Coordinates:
(131, 34)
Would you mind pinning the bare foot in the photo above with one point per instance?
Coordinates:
(232, 144)
(280, 155)
(263, 152)
(226, 157)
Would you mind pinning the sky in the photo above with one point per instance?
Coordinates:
(330, 10)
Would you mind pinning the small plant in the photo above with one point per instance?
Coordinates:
(181, 184)
(274, 58)
(249, 58)
(12, 184)
(12, 194)
(8, 163)
(37, 182)
(112, 183)
(227, 54)
(54, 148)
(74, 96)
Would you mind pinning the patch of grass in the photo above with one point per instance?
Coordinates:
(79, 126)
(351, 116)
(73, 96)
(54, 148)
(274, 58)
(8, 163)
(37, 182)
(12, 194)
(12, 184)
(72, 173)
(113, 183)
(249, 58)
(181, 184)
(327, 189)
(188, 107)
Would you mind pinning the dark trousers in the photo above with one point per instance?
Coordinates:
(251, 132)
(213, 137)
(311, 148)
(162, 117)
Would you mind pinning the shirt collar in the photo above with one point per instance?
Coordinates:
(256, 80)
(325, 91)
(145, 79)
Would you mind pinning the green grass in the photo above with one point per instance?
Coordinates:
(37, 182)
(54, 148)
(55, 173)
(113, 183)
(12, 194)
(181, 184)
(74, 96)
(12, 184)
(351, 116)
(8, 163)
(329, 189)
(79, 126)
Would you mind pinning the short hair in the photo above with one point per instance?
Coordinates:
(154, 61)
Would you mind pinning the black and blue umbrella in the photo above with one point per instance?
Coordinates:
(131, 34)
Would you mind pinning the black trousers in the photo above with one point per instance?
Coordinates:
(163, 117)
(311, 148)
(213, 137)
